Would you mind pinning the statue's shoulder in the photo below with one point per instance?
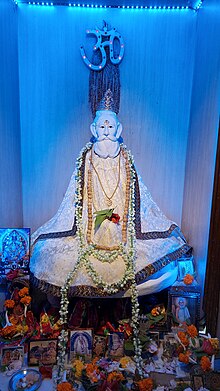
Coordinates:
(82, 155)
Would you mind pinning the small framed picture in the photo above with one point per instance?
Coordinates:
(184, 306)
(42, 352)
(198, 382)
(81, 343)
(99, 346)
(116, 345)
(11, 354)
(14, 249)
(185, 266)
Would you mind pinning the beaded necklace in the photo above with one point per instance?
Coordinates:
(91, 196)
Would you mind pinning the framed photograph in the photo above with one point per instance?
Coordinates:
(81, 342)
(184, 306)
(14, 249)
(185, 266)
(116, 345)
(197, 382)
(42, 352)
(99, 346)
(10, 354)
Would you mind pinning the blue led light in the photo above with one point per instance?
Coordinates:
(137, 7)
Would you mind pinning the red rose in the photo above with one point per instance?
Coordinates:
(115, 218)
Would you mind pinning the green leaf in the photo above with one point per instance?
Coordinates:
(99, 220)
(193, 341)
(109, 214)
(104, 212)
(156, 318)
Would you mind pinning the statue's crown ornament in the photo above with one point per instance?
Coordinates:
(107, 102)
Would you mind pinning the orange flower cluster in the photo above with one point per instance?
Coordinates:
(65, 386)
(9, 304)
(92, 372)
(124, 361)
(205, 364)
(115, 376)
(188, 279)
(23, 292)
(184, 357)
(8, 331)
(192, 331)
(156, 311)
(183, 338)
(26, 300)
(145, 384)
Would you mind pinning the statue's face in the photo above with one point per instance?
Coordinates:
(106, 127)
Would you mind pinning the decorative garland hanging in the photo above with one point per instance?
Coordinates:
(126, 250)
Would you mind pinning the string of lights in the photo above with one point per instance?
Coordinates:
(194, 7)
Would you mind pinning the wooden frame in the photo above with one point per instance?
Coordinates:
(42, 352)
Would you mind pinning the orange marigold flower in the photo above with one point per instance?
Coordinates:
(184, 357)
(188, 279)
(192, 331)
(124, 361)
(8, 331)
(65, 386)
(9, 304)
(205, 363)
(155, 312)
(23, 292)
(145, 384)
(115, 376)
(26, 300)
(183, 338)
(91, 369)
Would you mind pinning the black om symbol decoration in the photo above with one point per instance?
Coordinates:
(105, 38)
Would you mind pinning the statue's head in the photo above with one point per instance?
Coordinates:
(106, 130)
(106, 126)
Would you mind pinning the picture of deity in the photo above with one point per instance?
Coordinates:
(81, 343)
(116, 345)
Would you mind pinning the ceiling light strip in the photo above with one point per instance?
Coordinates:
(84, 5)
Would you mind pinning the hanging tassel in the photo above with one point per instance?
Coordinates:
(101, 81)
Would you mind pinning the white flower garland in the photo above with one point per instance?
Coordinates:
(128, 253)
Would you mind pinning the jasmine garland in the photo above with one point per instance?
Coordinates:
(126, 250)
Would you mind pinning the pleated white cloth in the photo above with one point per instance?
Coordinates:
(53, 258)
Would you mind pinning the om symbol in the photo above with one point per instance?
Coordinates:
(105, 38)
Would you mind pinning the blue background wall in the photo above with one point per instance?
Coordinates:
(156, 79)
(10, 158)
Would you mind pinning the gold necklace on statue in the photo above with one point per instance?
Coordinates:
(90, 193)
(108, 198)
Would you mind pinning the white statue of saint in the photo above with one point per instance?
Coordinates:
(106, 180)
